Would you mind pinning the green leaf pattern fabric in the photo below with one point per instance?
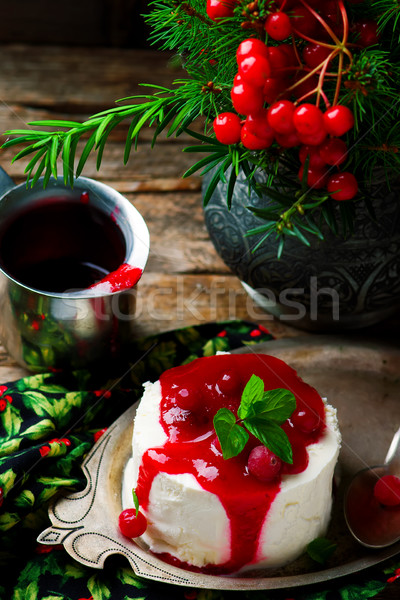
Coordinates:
(49, 422)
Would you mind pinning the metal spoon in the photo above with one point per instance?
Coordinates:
(371, 523)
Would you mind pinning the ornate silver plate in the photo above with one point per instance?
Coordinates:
(361, 379)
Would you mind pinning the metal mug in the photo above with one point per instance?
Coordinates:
(71, 329)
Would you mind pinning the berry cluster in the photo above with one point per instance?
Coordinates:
(278, 89)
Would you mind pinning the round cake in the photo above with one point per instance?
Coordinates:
(218, 515)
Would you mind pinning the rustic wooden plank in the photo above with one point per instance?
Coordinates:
(79, 79)
(162, 162)
(167, 301)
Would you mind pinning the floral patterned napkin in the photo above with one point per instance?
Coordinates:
(49, 422)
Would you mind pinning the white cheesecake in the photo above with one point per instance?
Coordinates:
(211, 514)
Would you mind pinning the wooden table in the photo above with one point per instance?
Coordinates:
(185, 281)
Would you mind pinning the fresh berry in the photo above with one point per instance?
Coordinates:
(278, 26)
(273, 87)
(251, 46)
(316, 178)
(306, 420)
(247, 99)
(229, 382)
(188, 398)
(315, 54)
(217, 10)
(313, 139)
(342, 186)
(387, 490)
(312, 153)
(367, 33)
(287, 140)
(263, 464)
(338, 120)
(333, 151)
(3, 404)
(227, 128)
(308, 119)
(254, 69)
(280, 116)
(254, 142)
(279, 61)
(258, 125)
(130, 524)
(303, 22)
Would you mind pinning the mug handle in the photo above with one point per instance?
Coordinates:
(6, 183)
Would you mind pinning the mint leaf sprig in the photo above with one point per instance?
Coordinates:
(260, 413)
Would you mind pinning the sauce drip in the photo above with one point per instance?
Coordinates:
(123, 278)
(191, 396)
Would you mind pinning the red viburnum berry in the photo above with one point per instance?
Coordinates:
(246, 98)
(306, 420)
(342, 186)
(257, 124)
(217, 10)
(308, 119)
(254, 142)
(279, 62)
(313, 139)
(287, 140)
(273, 87)
(338, 120)
(254, 69)
(303, 21)
(132, 525)
(280, 116)
(333, 151)
(367, 33)
(227, 127)
(278, 26)
(315, 54)
(251, 46)
(315, 159)
(316, 178)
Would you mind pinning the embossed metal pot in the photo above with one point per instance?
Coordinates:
(336, 284)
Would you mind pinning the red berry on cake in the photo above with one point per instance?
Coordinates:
(132, 525)
(263, 464)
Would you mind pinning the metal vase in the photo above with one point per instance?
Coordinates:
(341, 283)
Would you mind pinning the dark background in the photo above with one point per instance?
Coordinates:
(109, 23)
